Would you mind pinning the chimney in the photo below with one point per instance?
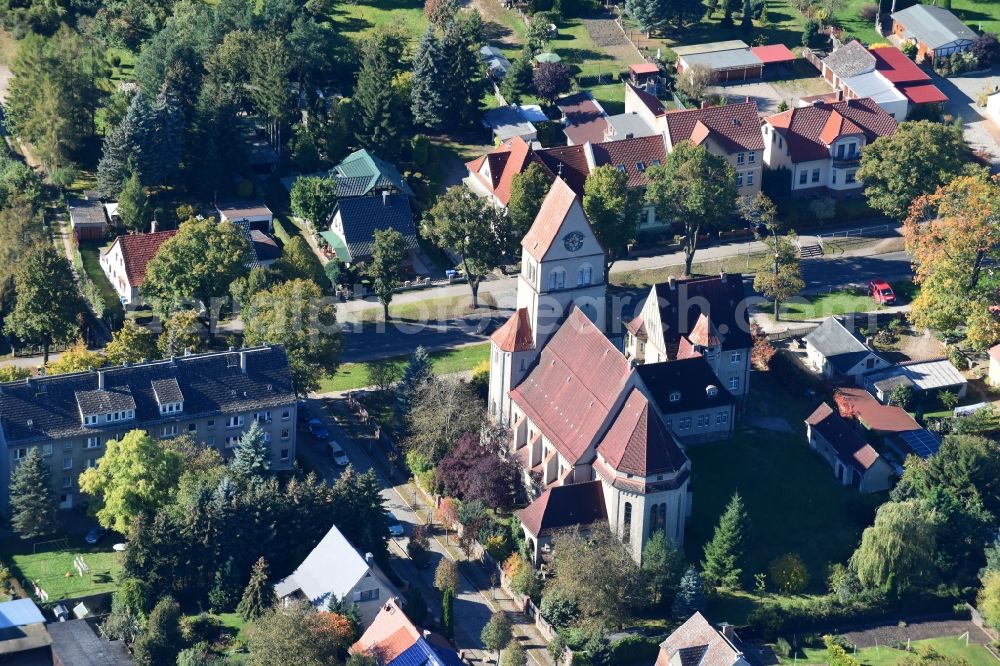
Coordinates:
(704, 104)
(385, 197)
(840, 95)
(748, 99)
(243, 362)
(728, 631)
(427, 634)
(369, 559)
(672, 281)
(152, 227)
(722, 274)
(187, 351)
(100, 380)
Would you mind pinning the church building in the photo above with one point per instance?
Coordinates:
(595, 433)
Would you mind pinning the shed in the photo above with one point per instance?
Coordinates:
(925, 377)
(506, 122)
(730, 60)
(935, 30)
(255, 213)
(774, 56)
(496, 62)
(643, 73)
(87, 217)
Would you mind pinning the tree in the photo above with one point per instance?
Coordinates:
(650, 15)
(299, 262)
(380, 116)
(75, 359)
(552, 79)
(131, 343)
(292, 635)
(694, 80)
(258, 597)
(725, 552)
(446, 575)
(120, 148)
(21, 228)
(253, 454)
(467, 225)
(297, 315)
(746, 21)
(952, 236)
(690, 596)
(988, 599)
(784, 280)
(48, 302)
(695, 188)
(440, 12)
(418, 371)
(662, 568)
(383, 374)
(359, 511)
(386, 267)
(313, 199)
(763, 351)
(442, 411)
(199, 262)
(430, 104)
(135, 474)
(162, 641)
(901, 395)
(270, 70)
(597, 573)
(467, 82)
(897, 551)
(558, 610)
(789, 573)
(32, 503)
(497, 633)
(514, 655)
(478, 469)
(527, 191)
(809, 31)
(519, 79)
(916, 159)
(448, 613)
(966, 466)
(182, 331)
(612, 209)
(12, 373)
(538, 33)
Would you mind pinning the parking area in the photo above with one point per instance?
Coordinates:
(788, 85)
(981, 131)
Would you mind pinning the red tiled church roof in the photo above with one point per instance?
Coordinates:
(638, 442)
(508, 159)
(806, 129)
(575, 384)
(735, 126)
(515, 335)
(138, 249)
(565, 506)
(555, 208)
(568, 163)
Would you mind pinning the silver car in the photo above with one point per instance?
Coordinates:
(339, 456)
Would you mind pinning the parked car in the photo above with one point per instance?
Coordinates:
(881, 292)
(339, 456)
(95, 534)
(395, 527)
(318, 430)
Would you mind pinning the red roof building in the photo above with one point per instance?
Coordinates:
(908, 77)
(854, 461)
(125, 262)
(584, 118)
(773, 54)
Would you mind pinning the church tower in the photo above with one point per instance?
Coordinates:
(562, 264)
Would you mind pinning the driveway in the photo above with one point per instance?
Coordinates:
(981, 131)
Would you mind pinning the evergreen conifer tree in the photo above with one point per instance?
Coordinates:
(162, 640)
(746, 23)
(517, 82)
(418, 371)
(448, 613)
(690, 596)
(32, 504)
(225, 592)
(428, 93)
(465, 82)
(253, 455)
(377, 118)
(724, 553)
(163, 142)
(258, 595)
(122, 147)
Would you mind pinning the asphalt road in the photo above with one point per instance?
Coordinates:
(471, 609)
(400, 337)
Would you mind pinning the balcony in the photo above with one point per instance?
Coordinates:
(847, 162)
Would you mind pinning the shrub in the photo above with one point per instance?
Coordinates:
(782, 648)
(558, 609)
(498, 546)
(789, 573)
(634, 650)
(823, 208)
(809, 32)
(767, 620)
(200, 628)
(957, 358)
(909, 49)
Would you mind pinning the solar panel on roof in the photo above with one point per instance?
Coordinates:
(922, 442)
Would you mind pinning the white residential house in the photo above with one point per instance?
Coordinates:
(834, 351)
(125, 260)
(336, 571)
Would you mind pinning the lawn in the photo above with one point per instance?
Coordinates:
(362, 16)
(793, 502)
(53, 570)
(951, 646)
(90, 255)
(354, 375)
(428, 309)
(838, 302)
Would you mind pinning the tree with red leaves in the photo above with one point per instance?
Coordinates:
(479, 469)
(763, 351)
(552, 79)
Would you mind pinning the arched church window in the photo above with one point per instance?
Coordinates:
(627, 523)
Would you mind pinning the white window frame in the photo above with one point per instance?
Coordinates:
(67, 463)
(93, 443)
(734, 383)
(736, 357)
(235, 421)
(21, 453)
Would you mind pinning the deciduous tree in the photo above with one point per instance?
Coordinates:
(440, 12)
(299, 262)
(446, 575)
(527, 191)
(467, 225)
(131, 344)
(75, 359)
(695, 188)
(782, 280)
(613, 210)
(182, 332)
(497, 633)
(917, 159)
(297, 315)
(161, 641)
(288, 635)
(988, 599)
(313, 198)
(552, 79)
(48, 302)
(386, 267)
(135, 474)
(722, 566)
(897, 551)
(442, 411)
(32, 502)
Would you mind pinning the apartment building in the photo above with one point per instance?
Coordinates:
(213, 397)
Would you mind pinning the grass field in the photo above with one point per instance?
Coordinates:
(793, 502)
(951, 646)
(354, 375)
(90, 254)
(361, 16)
(53, 571)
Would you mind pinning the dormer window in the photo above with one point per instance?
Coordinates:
(89, 419)
(640, 167)
(168, 396)
(620, 168)
(171, 408)
(675, 396)
(711, 390)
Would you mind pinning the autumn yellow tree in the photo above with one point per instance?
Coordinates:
(952, 237)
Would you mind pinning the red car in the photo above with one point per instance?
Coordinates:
(881, 292)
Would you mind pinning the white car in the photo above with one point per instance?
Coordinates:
(339, 456)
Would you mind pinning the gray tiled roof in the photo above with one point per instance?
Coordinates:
(87, 212)
(115, 399)
(352, 186)
(212, 384)
(691, 377)
(850, 60)
(167, 391)
(840, 347)
(362, 216)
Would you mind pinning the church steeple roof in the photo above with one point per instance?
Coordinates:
(515, 335)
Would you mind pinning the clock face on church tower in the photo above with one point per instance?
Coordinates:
(573, 241)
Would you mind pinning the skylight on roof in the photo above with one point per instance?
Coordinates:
(621, 168)
(640, 166)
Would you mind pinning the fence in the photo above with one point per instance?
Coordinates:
(881, 229)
